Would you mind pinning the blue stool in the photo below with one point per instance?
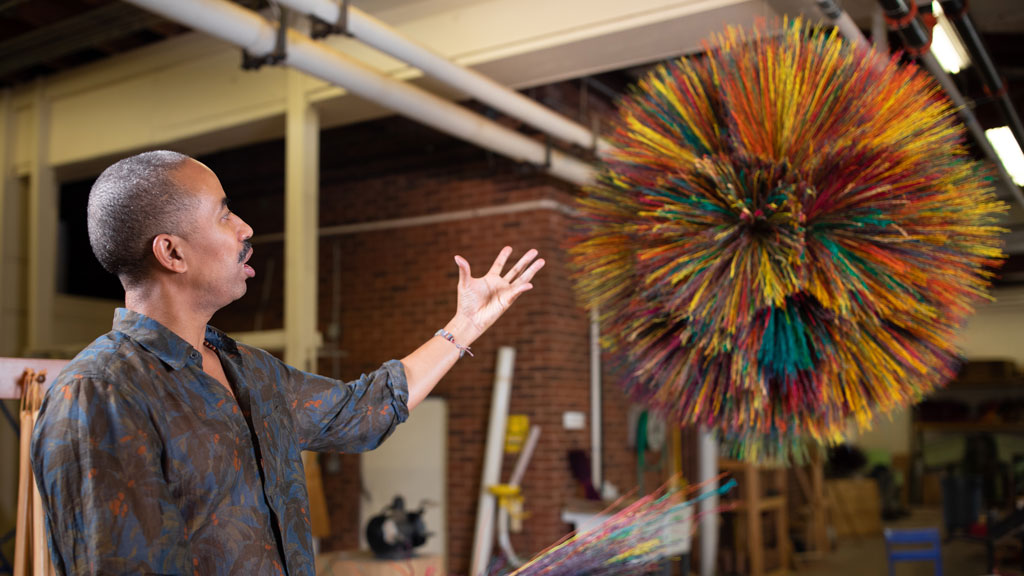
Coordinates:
(913, 546)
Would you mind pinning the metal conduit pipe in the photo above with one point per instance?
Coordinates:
(956, 12)
(247, 29)
(901, 15)
(841, 20)
(390, 41)
(917, 41)
(971, 121)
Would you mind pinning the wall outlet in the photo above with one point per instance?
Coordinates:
(574, 420)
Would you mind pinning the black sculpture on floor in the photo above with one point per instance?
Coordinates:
(394, 533)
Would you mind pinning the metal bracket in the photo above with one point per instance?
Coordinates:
(277, 55)
(321, 29)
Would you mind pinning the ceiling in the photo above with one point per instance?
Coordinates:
(44, 37)
(40, 37)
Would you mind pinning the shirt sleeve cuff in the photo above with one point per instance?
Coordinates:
(399, 386)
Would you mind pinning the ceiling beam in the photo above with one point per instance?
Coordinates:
(74, 34)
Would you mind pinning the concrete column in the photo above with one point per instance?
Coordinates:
(302, 223)
(42, 227)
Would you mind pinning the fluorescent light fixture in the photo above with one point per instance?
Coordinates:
(946, 44)
(1008, 150)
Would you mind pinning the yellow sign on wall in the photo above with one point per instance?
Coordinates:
(515, 432)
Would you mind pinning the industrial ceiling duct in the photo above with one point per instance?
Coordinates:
(254, 34)
(375, 33)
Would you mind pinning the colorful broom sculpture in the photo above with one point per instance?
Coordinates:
(788, 233)
(633, 541)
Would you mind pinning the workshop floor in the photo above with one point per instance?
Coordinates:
(866, 556)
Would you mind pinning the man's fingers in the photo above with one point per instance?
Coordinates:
(523, 262)
(464, 273)
(499, 262)
(520, 289)
(527, 276)
(515, 292)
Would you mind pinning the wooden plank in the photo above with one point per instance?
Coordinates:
(726, 465)
(819, 520)
(782, 520)
(763, 504)
(804, 483)
(755, 536)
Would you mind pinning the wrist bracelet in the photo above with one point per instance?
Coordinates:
(463, 350)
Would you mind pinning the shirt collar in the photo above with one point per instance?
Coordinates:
(172, 349)
(222, 341)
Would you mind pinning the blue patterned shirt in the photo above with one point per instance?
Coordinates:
(147, 465)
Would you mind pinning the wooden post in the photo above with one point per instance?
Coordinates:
(818, 504)
(755, 537)
(751, 506)
(782, 520)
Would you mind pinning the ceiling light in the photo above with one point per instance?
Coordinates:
(946, 44)
(1008, 150)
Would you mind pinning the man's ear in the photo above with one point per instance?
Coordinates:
(167, 250)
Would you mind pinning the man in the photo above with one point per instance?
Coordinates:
(165, 447)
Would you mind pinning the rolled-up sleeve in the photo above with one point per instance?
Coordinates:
(97, 462)
(335, 416)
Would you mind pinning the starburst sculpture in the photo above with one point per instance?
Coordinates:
(786, 236)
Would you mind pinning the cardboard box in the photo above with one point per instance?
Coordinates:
(855, 506)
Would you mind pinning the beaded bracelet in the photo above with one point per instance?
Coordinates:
(463, 350)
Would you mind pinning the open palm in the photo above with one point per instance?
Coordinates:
(483, 300)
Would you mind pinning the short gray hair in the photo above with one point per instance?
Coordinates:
(133, 201)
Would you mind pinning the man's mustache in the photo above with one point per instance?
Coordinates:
(246, 247)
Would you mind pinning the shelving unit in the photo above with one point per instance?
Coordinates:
(922, 430)
(758, 499)
(813, 512)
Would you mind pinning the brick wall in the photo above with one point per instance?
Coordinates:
(399, 286)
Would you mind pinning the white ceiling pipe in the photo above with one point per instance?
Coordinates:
(247, 29)
(847, 27)
(390, 41)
